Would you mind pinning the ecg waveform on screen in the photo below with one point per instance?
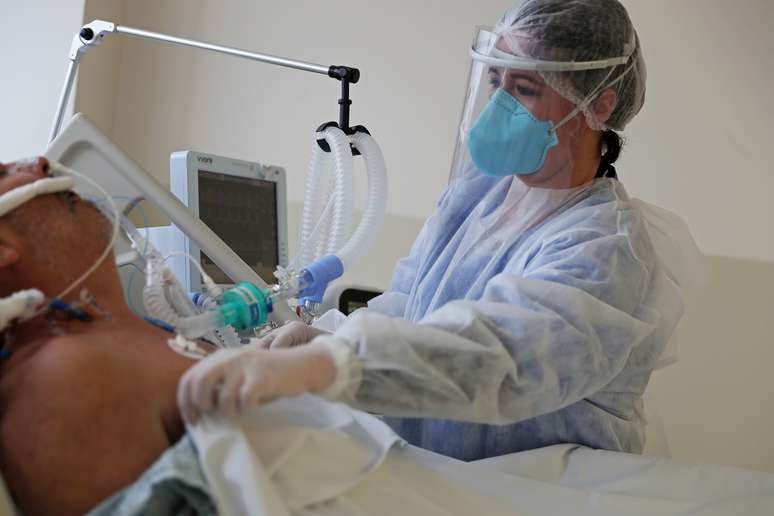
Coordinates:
(243, 212)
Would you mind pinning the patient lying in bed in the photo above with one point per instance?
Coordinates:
(86, 406)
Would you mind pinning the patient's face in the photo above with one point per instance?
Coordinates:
(16, 174)
(56, 230)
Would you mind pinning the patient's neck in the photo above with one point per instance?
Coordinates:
(108, 309)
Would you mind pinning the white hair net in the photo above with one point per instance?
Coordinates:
(581, 31)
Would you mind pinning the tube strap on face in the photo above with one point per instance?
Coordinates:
(14, 198)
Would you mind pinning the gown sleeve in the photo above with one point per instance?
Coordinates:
(535, 342)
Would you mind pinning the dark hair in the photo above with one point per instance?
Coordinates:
(612, 142)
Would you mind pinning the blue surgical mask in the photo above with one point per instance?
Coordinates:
(506, 139)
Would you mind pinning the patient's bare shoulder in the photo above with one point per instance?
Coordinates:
(79, 422)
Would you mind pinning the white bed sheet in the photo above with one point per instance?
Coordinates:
(578, 481)
(305, 456)
(309, 457)
(358, 467)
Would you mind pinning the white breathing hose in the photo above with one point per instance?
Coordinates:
(154, 294)
(163, 296)
(376, 202)
(157, 277)
(343, 189)
(322, 233)
(311, 215)
(178, 305)
(333, 225)
(227, 335)
(323, 240)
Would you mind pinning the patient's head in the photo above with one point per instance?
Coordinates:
(49, 241)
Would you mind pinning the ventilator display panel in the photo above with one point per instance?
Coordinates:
(243, 212)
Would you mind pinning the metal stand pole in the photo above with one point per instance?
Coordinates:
(64, 97)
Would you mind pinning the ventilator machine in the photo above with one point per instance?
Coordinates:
(328, 245)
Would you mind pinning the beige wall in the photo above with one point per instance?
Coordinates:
(716, 402)
(700, 148)
(97, 84)
(172, 98)
(35, 39)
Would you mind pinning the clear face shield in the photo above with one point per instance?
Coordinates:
(521, 118)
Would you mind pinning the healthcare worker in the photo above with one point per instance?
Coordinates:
(538, 298)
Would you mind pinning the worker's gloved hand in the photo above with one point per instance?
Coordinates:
(233, 380)
(290, 335)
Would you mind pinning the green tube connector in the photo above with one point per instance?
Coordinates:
(245, 306)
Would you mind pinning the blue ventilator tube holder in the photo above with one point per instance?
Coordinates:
(318, 275)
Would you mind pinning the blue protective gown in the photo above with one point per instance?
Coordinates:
(516, 340)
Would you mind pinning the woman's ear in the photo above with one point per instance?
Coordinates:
(9, 255)
(604, 105)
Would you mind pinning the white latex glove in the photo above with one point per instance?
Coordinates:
(232, 380)
(290, 335)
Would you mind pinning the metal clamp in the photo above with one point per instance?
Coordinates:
(89, 36)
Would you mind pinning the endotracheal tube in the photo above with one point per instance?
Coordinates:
(217, 315)
(243, 307)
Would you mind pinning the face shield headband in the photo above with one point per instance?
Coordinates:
(507, 139)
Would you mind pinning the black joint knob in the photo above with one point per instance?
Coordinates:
(87, 34)
(342, 73)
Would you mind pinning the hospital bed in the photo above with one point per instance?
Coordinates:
(558, 480)
(578, 481)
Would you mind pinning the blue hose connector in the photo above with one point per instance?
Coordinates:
(320, 274)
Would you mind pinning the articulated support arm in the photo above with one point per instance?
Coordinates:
(92, 34)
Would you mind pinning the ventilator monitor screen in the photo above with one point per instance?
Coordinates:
(243, 212)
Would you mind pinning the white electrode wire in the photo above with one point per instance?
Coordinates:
(58, 167)
(190, 259)
(212, 287)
